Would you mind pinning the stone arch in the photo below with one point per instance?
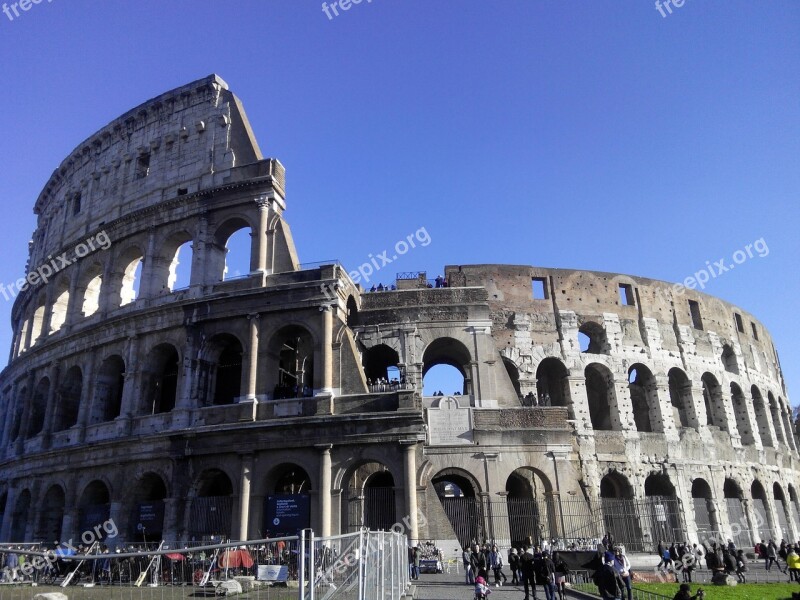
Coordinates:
(68, 403)
(369, 499)
(127, 283)
(592, 338)
(160, 377)
(763, 523)
(59, 311)
(658, 485)
(762, 417)
(175, 250)
(217, 256)
(291, 362)
(147, 506)
(212, 505)
(51, 515)
(530, 515)
(94, 505)
(39, 329)
(108, 390)
(680, 396)
(777, 423)
(618, 502)
(38, 407)
(452, 352)
(602, 398)
(458, 492)
(513, 375)
(704, 511)
(643, 390)
(729, 361)
(616, 485)
(378, 360)
(781, 512)
(743, 424)
(552, 382)
(714, 402)
(220, 370)
(20, 516)
(89, 289)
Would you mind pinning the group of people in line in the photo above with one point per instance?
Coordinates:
(530, 567)
(381, 384)
(727, 559)
(531, 399)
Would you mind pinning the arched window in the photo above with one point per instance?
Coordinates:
(91, 297)
(592, 338)
(238, 254)
(743, 424)
(644, 398)
(777, 422)
(37, 323)
(69, 400)
(704, 512)
(729, 359)
(58, 316)
(551, 383)
(108, 390)
(602, 401)
(445, 367)
(38, 408)
(220, 375)
(131, 280)
(680, 396)
(712, 398)
(293, 374)
(180, 269)
(160, 380)
(762, 417)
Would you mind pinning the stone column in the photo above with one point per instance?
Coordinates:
(325, 489)
(252, 363)
(130, 394)
(244, 496)
(87, 391)
(410, 486)
(326, 382)
(147, 283)
(170, 527)
(50, 407)
(261, 235)
(11, 502)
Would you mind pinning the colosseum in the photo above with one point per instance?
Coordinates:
(591, 401)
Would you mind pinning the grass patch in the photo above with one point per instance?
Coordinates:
(747, 591)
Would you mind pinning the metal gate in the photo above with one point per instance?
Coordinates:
(762, 525)
(740, 530)
(211, 517)
(621, 519)
(783, 523)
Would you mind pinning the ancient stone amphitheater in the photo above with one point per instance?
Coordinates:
(590, 401)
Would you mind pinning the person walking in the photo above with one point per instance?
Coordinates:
(609, 584)
(513, 563)
(623, 567)
(741, 567)
(469, 574)
(528, 578)
(496, 562)
(562, 571)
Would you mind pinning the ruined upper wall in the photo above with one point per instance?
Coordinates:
(181, 141)
(590, 294)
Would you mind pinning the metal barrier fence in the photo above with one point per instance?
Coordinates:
(367, 565)
(637, 524)
(266, 569)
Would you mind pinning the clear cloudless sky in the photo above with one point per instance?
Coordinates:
(591, 135)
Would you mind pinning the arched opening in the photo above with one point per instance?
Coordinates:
(147, 508)
(212, 507)
(19, 519)
(441, 353)
(352, 312)
(620, 511)
(294, 348)
(513, 375)
(94, 507)
(457, 492)
(160, 380)
(644, 398)
(108, 390)
(38, 408)
(729, 360)
(762, 524)
(51, 515)
(180, 268)
(220, 371)
(714, 403)
(91, 295)
(290, 486)
(531, 514)
(680, 396)
(69, 400)
(743, 425)
(762, 418)
(781, 512)
(602, 401)
(704, 513)
(16, 425)
(370, 498)
(663, 513)
(777, 423)
(37, 324)
(794, 507)
(740, 527)
(787, 424)
(592, 338)
(58, 314)
(238, 254)
(552, 383)
(381, 363)
(131, 277)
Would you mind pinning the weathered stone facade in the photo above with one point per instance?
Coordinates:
(208, 399)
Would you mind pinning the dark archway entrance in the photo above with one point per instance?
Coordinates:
(621, 512)
(457, 493)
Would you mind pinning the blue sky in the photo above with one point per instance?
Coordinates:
(592, 135)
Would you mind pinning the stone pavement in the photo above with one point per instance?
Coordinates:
(449, 586)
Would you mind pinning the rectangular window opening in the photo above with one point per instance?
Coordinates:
(142, 166)
(697, 321)
(739, 322)
(76, 204)
(539, 288)
(755, 330)
(626, 296)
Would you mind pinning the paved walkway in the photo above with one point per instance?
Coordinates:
(449, 586)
